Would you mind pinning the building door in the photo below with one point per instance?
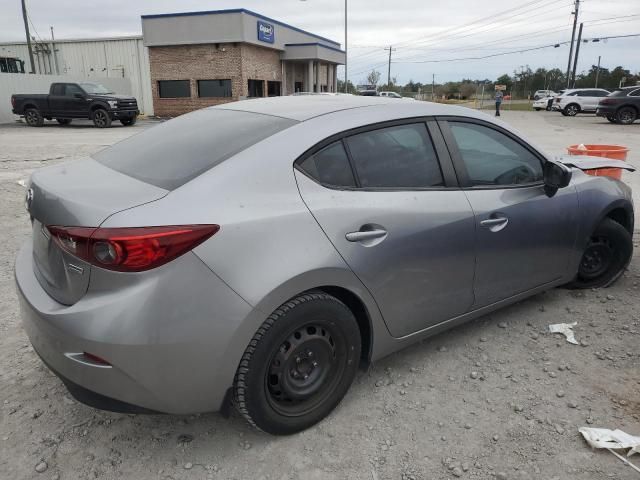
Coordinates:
(256, 88)
(273, 89)
(298, 87)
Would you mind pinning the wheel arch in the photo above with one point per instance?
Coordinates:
(98, 105)
(28, 106)
(620, 212)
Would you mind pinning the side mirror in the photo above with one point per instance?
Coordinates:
(556, 175)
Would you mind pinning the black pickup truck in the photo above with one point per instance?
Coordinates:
(66, 101)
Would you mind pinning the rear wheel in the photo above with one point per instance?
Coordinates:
(101, 118)
(299, 365)
(33, 117)
(606, 256)
(128, 121)
(626, 115)
(63, 121)
(538, 109)
(571, 110)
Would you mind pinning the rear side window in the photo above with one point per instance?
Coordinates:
(395, 157)
(635, 93)
(57, 89)
(330, 166)
(174, 152)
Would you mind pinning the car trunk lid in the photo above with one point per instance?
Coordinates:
(83, 193)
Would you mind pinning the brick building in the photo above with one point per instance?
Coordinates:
(199, 59)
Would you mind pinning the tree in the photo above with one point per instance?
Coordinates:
(373, 78)
(351, 87)
(505, 80)
(468, 89)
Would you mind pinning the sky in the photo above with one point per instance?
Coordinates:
(431, 38)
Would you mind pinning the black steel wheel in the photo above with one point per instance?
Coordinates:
(626, 115)
(101, 118)
(299, 365)
(33, 117)
(571, 110)
(605, 257)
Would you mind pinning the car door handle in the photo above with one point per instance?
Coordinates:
(495, 224)
(361, 235)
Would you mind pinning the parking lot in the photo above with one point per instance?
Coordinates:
(499, 397)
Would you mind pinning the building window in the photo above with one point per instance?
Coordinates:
(273, 89)
(214, 88)
(255, 88)
(174, 88)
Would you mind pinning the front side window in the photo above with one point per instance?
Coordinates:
(395, 157)
(214, 88)
(174, 88)
(70, 89)
(635, 93)
(493, 158)
(330, 166)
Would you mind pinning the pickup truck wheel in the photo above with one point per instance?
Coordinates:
(63, 121)
(606, 256)
(627, 115)
(33, 117)
(101, 118)
(571, 110)
(128, 121)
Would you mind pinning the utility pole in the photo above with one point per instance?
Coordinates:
(346, 83)
(26, 30)
(391, 49)
(433, 86)
(573, 36)
(598, 71)
(575, 60)
(53, 49)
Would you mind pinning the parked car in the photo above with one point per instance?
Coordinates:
(67, 101)
(301, 237)
(579, 100)
(543, 93)
(390, 94)
(543, 103)
(621, 106)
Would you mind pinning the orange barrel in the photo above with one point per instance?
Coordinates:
(615, 152)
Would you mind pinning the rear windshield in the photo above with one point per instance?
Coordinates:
(619, 93)
(170, 154)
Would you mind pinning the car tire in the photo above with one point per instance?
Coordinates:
(63, 121)
(606, 256)
(571, 110)
(626, 115)
(299, 364)
(33, 117)
(101, 118)
(612, 119)
(537, 109)
(127, 122)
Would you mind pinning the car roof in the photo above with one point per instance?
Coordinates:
(306, 107)
(569, 90)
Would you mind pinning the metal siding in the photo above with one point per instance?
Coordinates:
(96, 59)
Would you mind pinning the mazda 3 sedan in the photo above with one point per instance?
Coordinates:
(257, 253)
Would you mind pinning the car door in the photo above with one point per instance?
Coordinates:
(389, 204)
(56, 99)
(524, 237)
(75, 101)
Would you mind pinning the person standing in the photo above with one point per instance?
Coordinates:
(499, 97)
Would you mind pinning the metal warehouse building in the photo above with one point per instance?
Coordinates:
(120, 57)
(207, 58)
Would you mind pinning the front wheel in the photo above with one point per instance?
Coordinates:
(299, 365)
(101, 118)
(627, 115)
(606, 256)
(128, 121)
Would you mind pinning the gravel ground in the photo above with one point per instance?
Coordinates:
(496, 398)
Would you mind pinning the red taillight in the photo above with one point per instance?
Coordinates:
(131, 249)
(607, 101)
(13, 101)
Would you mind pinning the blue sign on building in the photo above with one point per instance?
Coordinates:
(266, 32)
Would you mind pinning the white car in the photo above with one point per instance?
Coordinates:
(543, 93)
(579, 100)
(390, 94)
(543, 103)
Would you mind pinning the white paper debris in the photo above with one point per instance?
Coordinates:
(616, 439)
(566, 329)
(22, 183)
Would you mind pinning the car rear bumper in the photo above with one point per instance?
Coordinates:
(605, 111)
(176, 355)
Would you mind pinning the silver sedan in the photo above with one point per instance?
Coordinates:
(257, 253)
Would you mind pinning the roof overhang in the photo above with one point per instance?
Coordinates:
(313, 51)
